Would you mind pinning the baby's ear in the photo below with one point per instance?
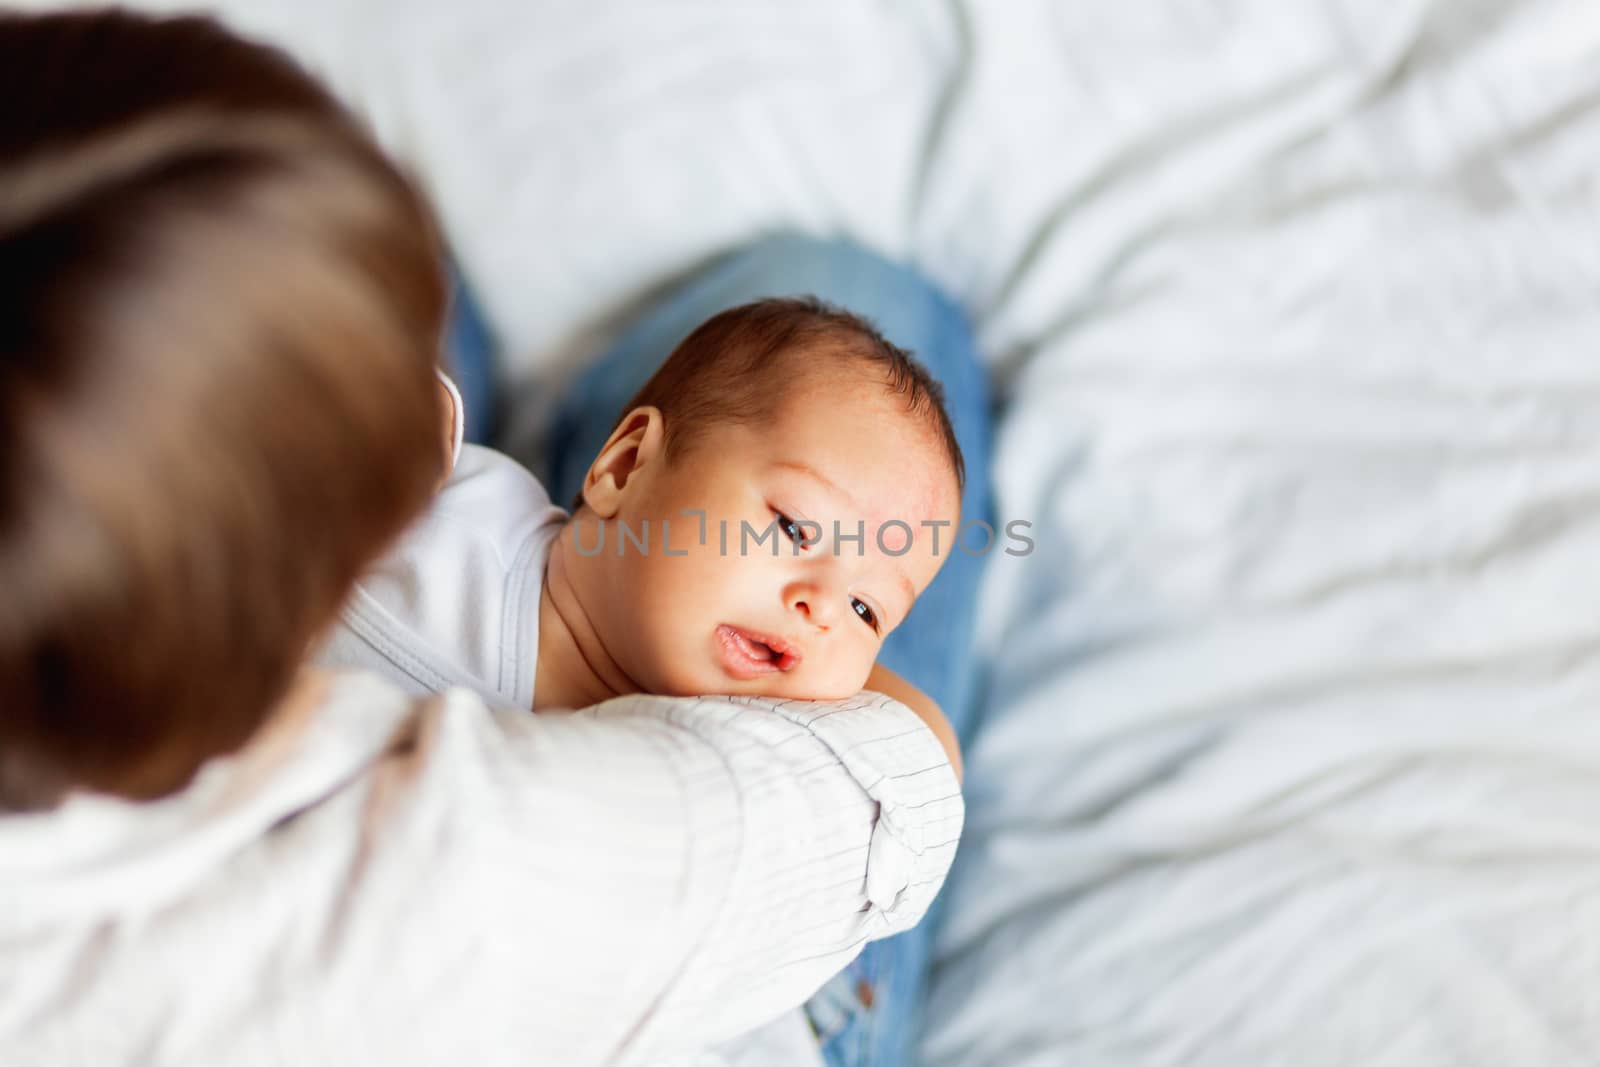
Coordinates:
(638, 440)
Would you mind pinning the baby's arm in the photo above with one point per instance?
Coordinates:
(883, 680)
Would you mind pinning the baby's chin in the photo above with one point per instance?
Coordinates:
(673, 672)
(777, 687)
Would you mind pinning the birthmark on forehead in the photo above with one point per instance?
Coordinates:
(920, 486)
(895, 536)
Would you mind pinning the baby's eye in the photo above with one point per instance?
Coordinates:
(864, 612)
(790, 528)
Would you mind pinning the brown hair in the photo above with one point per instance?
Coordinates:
(220, 310)
(736, 367)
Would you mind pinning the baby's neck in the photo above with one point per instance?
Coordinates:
(574, 669)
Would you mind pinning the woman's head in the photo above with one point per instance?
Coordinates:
(220, 308)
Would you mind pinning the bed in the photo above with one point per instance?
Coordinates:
(1290, 746)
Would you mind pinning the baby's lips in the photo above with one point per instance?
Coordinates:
(789, 655)
(788, 652)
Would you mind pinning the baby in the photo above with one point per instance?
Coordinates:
(764, 513)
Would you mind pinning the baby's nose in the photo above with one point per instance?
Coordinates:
(811, 601)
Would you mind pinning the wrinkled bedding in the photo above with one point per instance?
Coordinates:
(1290, 751)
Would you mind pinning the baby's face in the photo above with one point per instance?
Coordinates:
(744, 618)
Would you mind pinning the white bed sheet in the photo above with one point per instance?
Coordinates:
(1292, 749)
(1296, 710)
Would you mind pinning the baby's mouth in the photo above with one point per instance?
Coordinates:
(750, 653)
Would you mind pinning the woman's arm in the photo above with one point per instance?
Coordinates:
(686, 869)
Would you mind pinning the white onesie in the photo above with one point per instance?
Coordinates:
(457, 601)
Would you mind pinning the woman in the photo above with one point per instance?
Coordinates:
(222, 307)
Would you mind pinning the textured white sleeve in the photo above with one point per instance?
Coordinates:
(817, 828)
(653, 874)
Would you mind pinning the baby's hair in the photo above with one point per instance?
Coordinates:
(736, 369)
(220, 312)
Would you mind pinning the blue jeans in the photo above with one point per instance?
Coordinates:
(868, 1015)
(469, 358)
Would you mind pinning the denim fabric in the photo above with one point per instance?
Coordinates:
(868, 1015)
(469, 359)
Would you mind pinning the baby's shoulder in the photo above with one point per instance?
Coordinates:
(489, 485)
(491, 514)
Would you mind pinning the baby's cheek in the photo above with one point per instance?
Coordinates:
(665, 670)
(842, 679)
(858, 680)
(862, 676)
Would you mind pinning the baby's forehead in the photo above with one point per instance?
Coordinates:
(865, 411)
(817, 411)
(869, 474)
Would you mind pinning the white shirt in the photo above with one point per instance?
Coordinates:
(398, 881)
